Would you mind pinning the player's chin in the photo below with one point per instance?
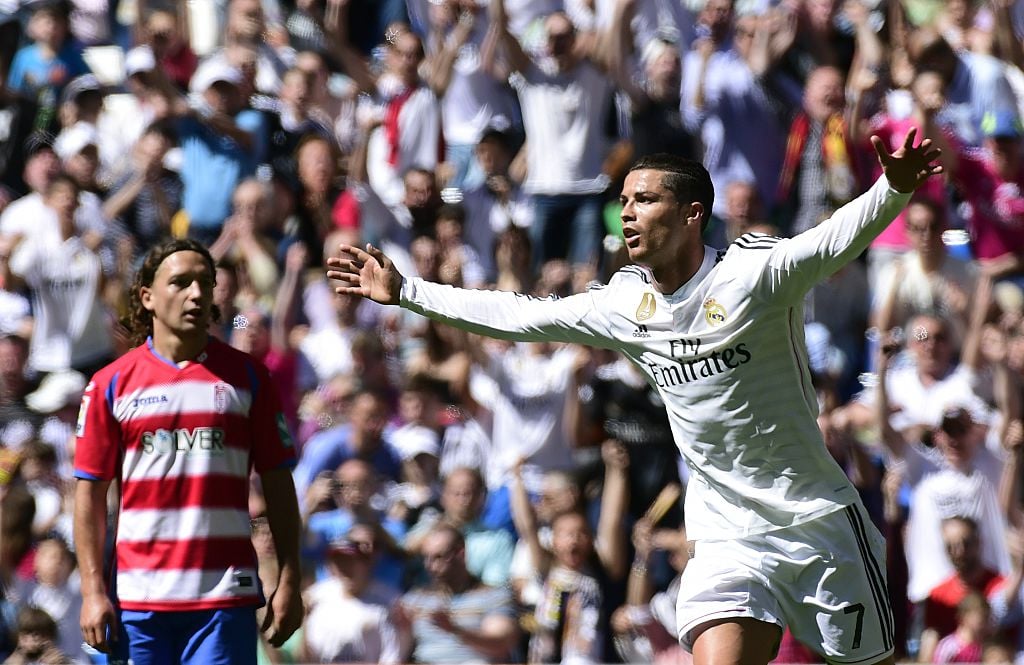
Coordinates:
(191, 322)
(636, 253)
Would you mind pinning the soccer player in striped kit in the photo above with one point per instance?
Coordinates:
(780, 535)
(179, 423)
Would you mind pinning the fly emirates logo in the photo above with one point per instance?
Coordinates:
(200, 442)
(688, 366)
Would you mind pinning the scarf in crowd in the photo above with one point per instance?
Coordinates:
(835, 153)
(391, 113)
(392, 130)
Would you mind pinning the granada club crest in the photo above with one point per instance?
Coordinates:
(714, 313)
(220, 397)
(647, 307)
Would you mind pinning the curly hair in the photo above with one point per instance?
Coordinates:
(140, 320)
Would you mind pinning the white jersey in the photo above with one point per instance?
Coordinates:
(726, 353)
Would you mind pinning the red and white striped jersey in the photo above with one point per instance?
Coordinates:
(183, 441)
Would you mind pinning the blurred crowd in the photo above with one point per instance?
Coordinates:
(466, 500)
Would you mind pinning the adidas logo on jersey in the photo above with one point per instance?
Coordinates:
(641, 331)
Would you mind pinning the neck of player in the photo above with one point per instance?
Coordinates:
(179, 348)
(670, 276)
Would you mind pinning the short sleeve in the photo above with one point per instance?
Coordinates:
(24, 260)
(502, 604)
(16, 75)
(252, 122)
(272, 443)
(98, 433)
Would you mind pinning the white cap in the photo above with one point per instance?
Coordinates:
(138, 60)
(211, 71)
(74, 139)
(413, 440)
(56, 391)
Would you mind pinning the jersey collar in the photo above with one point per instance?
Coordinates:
(686, 290)
(167, 361)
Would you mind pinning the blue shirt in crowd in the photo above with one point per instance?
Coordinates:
(215, 164)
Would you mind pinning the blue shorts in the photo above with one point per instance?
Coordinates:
(200, 637)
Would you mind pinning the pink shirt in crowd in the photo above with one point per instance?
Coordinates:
(893, 132)
(996, 217)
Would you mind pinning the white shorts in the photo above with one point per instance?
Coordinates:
(825, 580)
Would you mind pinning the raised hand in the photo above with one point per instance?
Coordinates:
(909, 166)
(367, 273)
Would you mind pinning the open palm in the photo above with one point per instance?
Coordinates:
(908, 166)
(367, 273)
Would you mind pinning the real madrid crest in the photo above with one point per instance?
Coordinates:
(647, 307)
(714, 313)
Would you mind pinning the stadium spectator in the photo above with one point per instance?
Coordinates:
(17, 421)
(962, 541)
(497, 202)
(966, 643)
(54, 592)
(925, 279)
(37, 640)
(354, 490)
(819, 173)
(42, 69)
(726, 104)
(165, 40)
(456, 617)
(461, 53)
(367, 634)
(962, 479)
(222, 142)
(64, 276)
(487, 551)
(404, 110)
(148, 195)
(362, 437)
(565, 150)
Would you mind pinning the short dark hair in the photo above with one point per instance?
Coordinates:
(937, 210)
(496, 136)
(687, 179)
(140, 319)
(163, 128)
(36, 621)
(453, 212)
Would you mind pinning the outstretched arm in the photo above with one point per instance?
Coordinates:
(797, 264)
(502, 315)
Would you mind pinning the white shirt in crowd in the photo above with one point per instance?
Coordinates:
(419, 140)
(70, 327)
(342, 629)
(474, 100)
(564, 114)
(526, 392)
(941, 492)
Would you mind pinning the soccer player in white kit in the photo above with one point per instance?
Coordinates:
(780, 537)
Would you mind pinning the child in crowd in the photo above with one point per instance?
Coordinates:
(37, 640)
(966, 643)
(56, 592)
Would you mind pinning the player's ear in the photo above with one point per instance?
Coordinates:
(695, 214)
(146, 298)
